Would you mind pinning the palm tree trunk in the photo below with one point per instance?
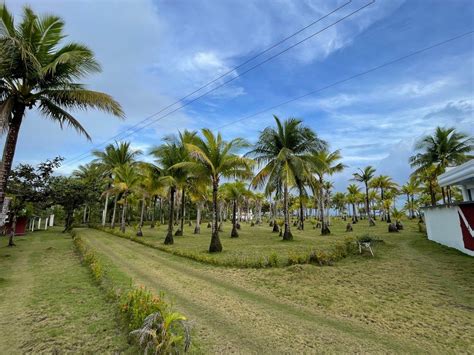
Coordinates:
(301, 210)
(153, 212)
(287, 233)
(197, 228)
(169, 236)
(367, 206)
(124, 213)
(183, 201)
(322, 206)
(112, 224)
(9, 150)
(142, 214)
(215, 245)
(104, 212)
(234, 233)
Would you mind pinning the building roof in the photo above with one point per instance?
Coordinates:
(459, 175)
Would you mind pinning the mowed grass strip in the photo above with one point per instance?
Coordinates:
(49, 303)
(226, 303)
(255, 244)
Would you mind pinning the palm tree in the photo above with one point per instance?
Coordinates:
(235, 192)
(36, 71)
(353, 193)
(384, 183)
(127, 180)
(167, 156)
(339, 201)
(410, 189)
(284, 152)
(445, 148)
(324, 163)
(365, 176)
(111, 158)
(214, 158)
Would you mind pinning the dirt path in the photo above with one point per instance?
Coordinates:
(231, 318)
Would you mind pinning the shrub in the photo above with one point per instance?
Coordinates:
(138, 303)
(164, 333)
(298, 258)
(272, 260)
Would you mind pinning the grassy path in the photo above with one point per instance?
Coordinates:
(48, 302)
(230, 317)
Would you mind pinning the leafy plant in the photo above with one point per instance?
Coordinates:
(164, 333)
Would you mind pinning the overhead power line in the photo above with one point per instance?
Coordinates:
(399, 59)
(135, 128)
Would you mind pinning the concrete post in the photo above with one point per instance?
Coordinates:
(46, 224)
(51, 220)
(39, 223)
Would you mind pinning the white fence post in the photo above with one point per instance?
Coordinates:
(51, 220)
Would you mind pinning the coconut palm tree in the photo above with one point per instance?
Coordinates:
(284, 152)
(323, 163)
(167, 156)
(446, 147)
(384, 183)
(235, 192)
(353, 193)
(365, 177)
(112, 157)
(127, 180)
(410, 189)
(339, 202)
(214, 158)
(38, 72)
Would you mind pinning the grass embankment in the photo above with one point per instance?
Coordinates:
(413, 296)
(49, 303)
(258, 246)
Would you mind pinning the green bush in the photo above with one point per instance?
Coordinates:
(272, 260)
(138, 303)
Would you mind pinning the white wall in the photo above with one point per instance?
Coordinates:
(443, 226)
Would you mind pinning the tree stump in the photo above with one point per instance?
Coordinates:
(209, 225)
(392, 228)
(349, 227)
(399, 225)
(275, 228)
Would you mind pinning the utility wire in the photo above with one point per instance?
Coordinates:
(399, 59)
(378, 67)
(132, 131)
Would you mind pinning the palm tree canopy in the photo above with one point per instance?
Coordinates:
(446, 147)
(37, 70)
(284, 151)
(364, 175)
(213, 157)
(115, 155)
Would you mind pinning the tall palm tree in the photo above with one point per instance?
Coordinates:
(353, 193)
(446, 147)
(235, 192)
(338, 201)
(410, 189)
(214, 158)
(127, 180)
(324, 163)
(365, 176)
(37, 71)
(112, 157)
(284, 152)
(167, 156)
(384, 183)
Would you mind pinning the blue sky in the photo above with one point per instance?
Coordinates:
(154, 52)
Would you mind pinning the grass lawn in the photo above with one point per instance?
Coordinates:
(414, 296)
(49, 303)
(257, 243)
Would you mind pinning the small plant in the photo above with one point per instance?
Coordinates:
(272, 260)
(139, 303)
(164, 333)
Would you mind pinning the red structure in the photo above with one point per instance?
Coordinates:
(20, 229)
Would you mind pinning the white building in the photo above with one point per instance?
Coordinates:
(453, 225)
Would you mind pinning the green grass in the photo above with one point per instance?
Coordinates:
(414, 296)
(49, 303)
(255, 245)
